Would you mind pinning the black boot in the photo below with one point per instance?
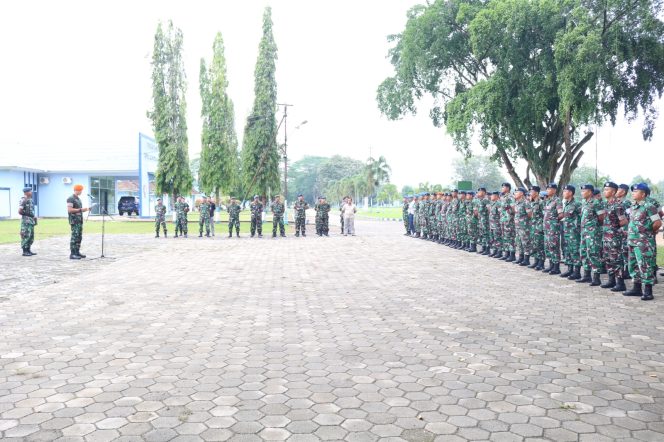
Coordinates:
(73, 254)
(200, 235)
(625, 273)
(485, 250)
(30, 251)
(540, 265)
(525, 261)
(576, 275)
(555, 270)
(157, 235)
(635, 290)
(586, 277)
(473, 248)
(518, 261)
(611, 283)
(548, 269)
(26, 252)
(165, 234)
(647, 293)
(511, 257)
(596, 280)
(568, 273)
(534, 264)
(620, 285)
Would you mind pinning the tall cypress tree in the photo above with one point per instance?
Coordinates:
(219, 166)
(168, 114)
(260, 154)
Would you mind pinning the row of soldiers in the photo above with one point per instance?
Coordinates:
(614, 235)
(277, 207)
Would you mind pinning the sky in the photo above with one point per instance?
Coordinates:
(76, 77)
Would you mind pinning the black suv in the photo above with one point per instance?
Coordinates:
(128, 204)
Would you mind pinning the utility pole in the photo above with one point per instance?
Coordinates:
(284, 149)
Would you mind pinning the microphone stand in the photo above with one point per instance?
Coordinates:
(104, 214)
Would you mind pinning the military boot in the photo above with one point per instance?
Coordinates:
(511, 257)
(165, 234)
(576, 275)
(635, 290)
(596, 280)
(78, 252)
(611, 283)
(26, 252)
(620, 285)
(157, 234)
(586, 277)
(647, 293)
(534, 264)
(30, 251)
(555, 270)
(568, 273)
(473, 248)
(540, 264)
(626, 274)
(548, 269)
(486, 250)
(519, 260)
(526, 261)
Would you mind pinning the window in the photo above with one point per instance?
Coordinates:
(102, 190)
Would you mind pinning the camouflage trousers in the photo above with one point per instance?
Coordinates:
(27, 235)
(507, 235)
(181, 226)
(341, 220)
(76, 237)
(256, 225)
(552, 242)
(204, 221)
(495, 240)
(322, 225)
(484, 233)
(451, 228)
(462, 231)
(159, 223)
(522, 240)
(612, 252)
(570, 247)
(300, 225)
(589, 250)
(278, 221)
(641, 264)
(416, 223)
(235, 222)
(472, 231)
(405, 221)
(536, 242)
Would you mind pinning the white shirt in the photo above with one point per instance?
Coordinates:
(411, 208)
(349, 210)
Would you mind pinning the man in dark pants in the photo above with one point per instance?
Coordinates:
(75, 211)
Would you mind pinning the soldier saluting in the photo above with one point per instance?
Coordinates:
(26, 208)
(75, 211)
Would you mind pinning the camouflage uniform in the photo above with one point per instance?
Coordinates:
(612, 237)
(507, 222)
(204, 220)
(256, 208)
(160, 218)
(536, 239)
(322, 218)
(234, 210)
(552, 208)
(626, 205)
(416, 217)
(181, 210)
(482, 207)
(26, 208)
(641, 241)
(404, 215)
(76, 224)
(494, 226)
(462, 231)
(522, 227)
(472, 225)
(300, 208)
(591, 242)
(278, 210)
(452, 219)
(424, 216)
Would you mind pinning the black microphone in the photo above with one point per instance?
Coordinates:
(91, 197)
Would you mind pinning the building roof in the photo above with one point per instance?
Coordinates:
(49, 159)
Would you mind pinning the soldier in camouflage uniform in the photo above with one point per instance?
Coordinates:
(322, 217)
(536, 215)
(472, 223)
(521, 225)
(424, 215)
(404, 216)
(160, 218)
(181, 211)
(278, 210)
(626, 202)
(494, 225)
(416, 216)
(592, 216)
(507, 222)
(660, 211)
(26, 208)
(462, 231)
(234, 209)
(300, 211)
(444, 210)
(644, 222)
(553, 213)
(481, 210)
(614, 219)
(256, 208)
(75, 212)
(571, 227)
(204, 220)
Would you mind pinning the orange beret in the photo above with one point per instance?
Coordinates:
(78, 186)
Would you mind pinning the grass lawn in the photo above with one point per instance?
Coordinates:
(379, 212)
(660, 256)
(9, 229)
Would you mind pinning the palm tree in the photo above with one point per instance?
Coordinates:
(377, 173)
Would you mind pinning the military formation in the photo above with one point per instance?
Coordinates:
(611, 232)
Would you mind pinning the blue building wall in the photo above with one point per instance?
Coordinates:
(12, 180)
(53, 196)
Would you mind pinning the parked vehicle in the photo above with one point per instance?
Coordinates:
(128, 205)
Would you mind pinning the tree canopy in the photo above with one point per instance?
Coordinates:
(479, 170)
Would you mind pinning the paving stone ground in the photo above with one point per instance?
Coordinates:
(376, 337)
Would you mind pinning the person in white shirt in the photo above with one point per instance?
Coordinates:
(348, 211)
(411, 215)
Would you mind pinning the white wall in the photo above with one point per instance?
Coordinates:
(13, 180)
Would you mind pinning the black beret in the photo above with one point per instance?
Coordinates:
(535, 189)
(506, 184)
(611, 184)
(455, 191)
(462, 192)
(495, 193)
(552, 186)
(482, 189)
(588, 187)
(471, 193)
(520, 189)
(570, 188)
(624, 187)
(596, 192)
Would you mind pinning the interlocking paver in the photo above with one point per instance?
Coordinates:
(415, 348)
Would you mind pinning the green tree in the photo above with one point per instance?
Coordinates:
(194, 168)
(335, 169)
(480, 170)
(168, 113)
(377, 172)
(407, 190)
(437, 188)
(388, 194)
(531, 76)
(588, 175)
(303, 177)
(423, 187)
(219, 167)
(260, 153)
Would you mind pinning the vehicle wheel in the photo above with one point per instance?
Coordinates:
(120, 212)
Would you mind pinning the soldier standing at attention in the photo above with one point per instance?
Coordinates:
(614, 219)
(507, 222)
(278, 210)
(404, 215)
(461, 221)
(213, 208)
(571, 225)
(160, 218)
(341, 213)
(553, 213)
(204, 220)
(522, 226)
(481, 208)
(452, 219)
(536, 214)
(626, 203)
(26, 208)
(256, 208)
(494, 225)
(75, 212)
(322, 217)
(234, 210)
(592, 216)
(181, 210)
(644, 222)
(472, 223)
(300, 208)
